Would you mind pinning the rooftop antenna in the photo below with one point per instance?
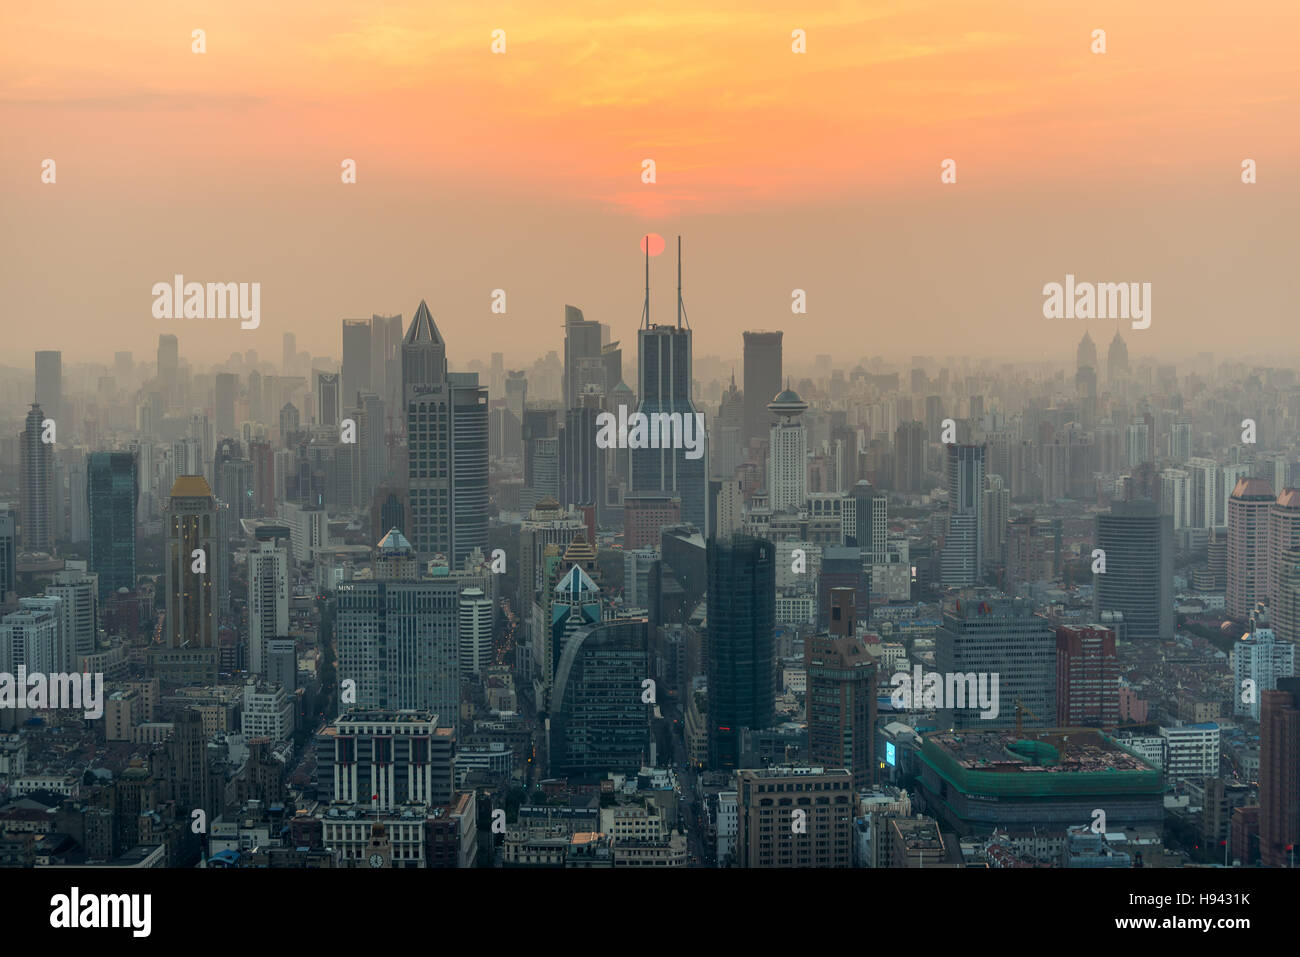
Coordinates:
(645, 309)
(681, 306)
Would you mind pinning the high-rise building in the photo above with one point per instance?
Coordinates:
(1202, 492)
(742, 676)
(192, 553)
(767, 799)
(762, 381)
(582, 340)
(8, 553)
(447, 446)
(909, 456)
(384, 758)
(664, 388)
(1175, 499)
(327, 398)
(397, 637)
(49, 385)
(268, 602)
(1286, 614)
(870, 530)
(474, 631)
(787, 453)
(225, 389)
(355, 377)
(1087, 677)
(1248, 545)
(1283, 535)
(996, 512)
(78, 592)
(169, 368)
(1117, 367)
(36, 490)
(1004, 638)
(113, 491)
(962, 562)
(582, 461)
(1261, 659)
(31, 638)
(1138, 582)
(1279, 774)
(598, 721)
(841, 695)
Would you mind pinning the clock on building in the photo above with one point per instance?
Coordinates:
(379, 851)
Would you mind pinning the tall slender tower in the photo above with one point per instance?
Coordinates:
(192, 556)
(664, 380)
(36, 484)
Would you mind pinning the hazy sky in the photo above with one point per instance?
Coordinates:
(522, 171)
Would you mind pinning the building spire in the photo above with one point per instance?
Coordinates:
(645, 309)
(681, 306)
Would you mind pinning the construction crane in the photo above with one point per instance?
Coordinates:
(1021, 709)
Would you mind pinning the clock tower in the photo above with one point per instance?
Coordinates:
(379, 851)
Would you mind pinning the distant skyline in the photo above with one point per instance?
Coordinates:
(522, 171)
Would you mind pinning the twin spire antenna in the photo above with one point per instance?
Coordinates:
(681, 305)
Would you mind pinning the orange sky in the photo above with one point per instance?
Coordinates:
(522, 171)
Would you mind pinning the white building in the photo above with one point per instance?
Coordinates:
(268, 601)
(1260, 659)
(268, 713)
(787, 455)
(474, 631)
(1191, 750)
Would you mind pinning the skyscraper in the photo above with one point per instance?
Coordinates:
(582, 461)
(397, 636)
(36, 484)
(192, 552)
(168, 368)
(1279, 774)
(1087, 677)
(225, 389)
(962, 561)
(841, 697)
(909, 456)
(49, 385)
(1248, 545)
(268, 602)
(113, 491)
(582, 340)
(742, 673)
(1138, 582)
(664, 380)
(356, 361)
(447, 446)
(474, 631)
(1283, 535)
(327, 398)
(762, 380)
(787, 453)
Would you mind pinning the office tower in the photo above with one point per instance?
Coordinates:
(1087, 677)
(30, 638)
(762, 372)
(582, 340)
(268, 602)
(664, 387)
(113, 490)
(290, 422)
(168, 364)
(1228, 478)
(36, 484)
(646, 516)
(1137, 444)
(355, 377)
(8, 553)
(728, 434)
(225, 388)
(1138, 543)
(996, 512)
(998, 636)
(787, 453)
(1248, 545)
(512, 434)
(256, 412)
(1175, 498)
(49, 385)
(909, 456)
(78, 502)
(327, 398)
(582, 461)
(1202, 492)
(541, 459)
(1086, 355)
(870, 529)
(261, 454)
(598, 721)
(372, 445)
(192, 553)
(841, 695)
(475, 632)
(742, 675)
(385, 355)
(1117, 367)
(1283, 535)
(1180, 442)
(726, 508)
(383, 758)
(447, 446)
(962, 563)
(1279, 774)
(841, 567)
(1260, 658)
(79, 593)
(765, 836)
(547, 524)
(1286, 617)
(397, 636)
